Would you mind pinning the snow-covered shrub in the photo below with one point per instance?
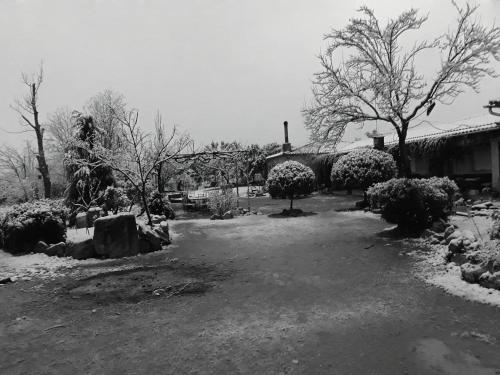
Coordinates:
(290, 179)
(221, 201)
(115, 199)
(25, 224)
(413, 204)
(363, 168)
(159, 205)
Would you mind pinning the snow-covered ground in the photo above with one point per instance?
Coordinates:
(432, 268)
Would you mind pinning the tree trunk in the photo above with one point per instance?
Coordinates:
(161, 185)
(145, 203)
(42, 163)
(404, 166)
(291, 202)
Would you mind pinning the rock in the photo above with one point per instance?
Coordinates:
(215, 217)
(149, 240)
(474, 246)
(438, 226)
(81, 220)
(455, 235)
(480, 206)
(58, 249)
(92, 214)
(116, 236)
(471, 272)
(456, 258)
(494, 264)
(81, 250)
(227, 215)
(473, 257)
(439, 236)
(435, 241)
(157, 219)
(164, 227)
(449, 230)
(467, 234)
(489, 280)
(40, 247)
(459, 202)
(456, 246)
(428, 233)
(164, 237)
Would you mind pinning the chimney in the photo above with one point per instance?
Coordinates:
(378, 143)
(287, 147)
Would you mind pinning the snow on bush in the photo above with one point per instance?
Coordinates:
(290, 179)
(413, 204)
(221, 201)
(115, 199)
(159, 205)
(23, 225)
(363, 168)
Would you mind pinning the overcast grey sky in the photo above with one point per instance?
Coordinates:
(221, 69)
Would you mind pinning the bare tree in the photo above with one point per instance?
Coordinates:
(103, 108)
(27, 108)
(141, 155)
(13, 161)
(379, 80)
(61, 129)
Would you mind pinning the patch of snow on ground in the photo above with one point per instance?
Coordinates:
(432, 268)
(25, 267)
(77, 235)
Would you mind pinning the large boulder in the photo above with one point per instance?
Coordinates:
(116, 236)
(81, 250)
(149, 239)
(40, 247)
(81, 220)
(92, 214)
(490, 280)
(58, 249)
(472, 272)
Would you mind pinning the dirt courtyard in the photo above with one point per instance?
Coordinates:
(319, 294)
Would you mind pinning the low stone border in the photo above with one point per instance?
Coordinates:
(466, 251)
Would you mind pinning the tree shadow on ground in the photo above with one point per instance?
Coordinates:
(291, 213)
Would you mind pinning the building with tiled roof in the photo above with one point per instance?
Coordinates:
(466, 150)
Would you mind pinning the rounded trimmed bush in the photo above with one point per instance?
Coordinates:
(413, 204)
(290, 179)
(25, 224)
(363, 168)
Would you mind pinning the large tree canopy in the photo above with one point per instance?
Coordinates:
(379, 79)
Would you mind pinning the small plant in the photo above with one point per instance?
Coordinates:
(290, 179)
(25, 224)
(413, 204)
(221, 201)
(115, 199)
(363, 168)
